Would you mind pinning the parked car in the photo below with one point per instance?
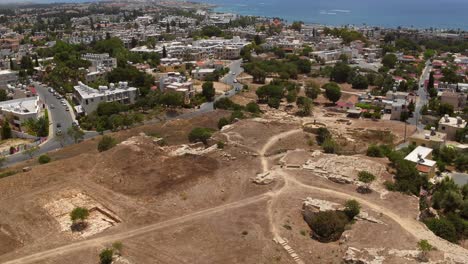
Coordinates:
(52, 106)
(59, 125)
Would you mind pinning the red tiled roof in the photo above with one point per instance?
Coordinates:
(423, 168)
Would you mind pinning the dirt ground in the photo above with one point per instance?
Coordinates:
(201, 208)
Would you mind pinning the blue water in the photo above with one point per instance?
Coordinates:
(447, 14)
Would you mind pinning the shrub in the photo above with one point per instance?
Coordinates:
(220, 144)
(322, 135)
(106, 143)
(442, 228)
(374, 151)
(223, 122)
(352, 209)
(79, 213)
(365, 176)
(43, 159)
(252, 107)
(236, 115)
(105, 257)
(199, 134)
(330, 146)
(226, 104)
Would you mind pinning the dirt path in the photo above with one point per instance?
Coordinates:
(99, 241)
(271, 142)
(412, 226)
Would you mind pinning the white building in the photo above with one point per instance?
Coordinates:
(7, 77)
(201, 74)
(20, 109)
(100, 61)
(89, 98)
(422, 157)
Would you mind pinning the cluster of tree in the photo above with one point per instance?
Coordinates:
(346, 34)
(110, 116)
(327, 226)
(286, 68)
(6, 130)
(451, 202)
(407, 178)
(37, 127)
(449, 156)
(272, 93)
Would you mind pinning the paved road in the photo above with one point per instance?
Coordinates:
(423, 97)
(57, 114)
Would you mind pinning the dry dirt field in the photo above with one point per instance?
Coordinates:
(182, 203)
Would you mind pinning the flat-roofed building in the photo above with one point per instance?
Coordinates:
(428, 138)
(450, 126)
(89, 98)
(20, 109)
(422, 156)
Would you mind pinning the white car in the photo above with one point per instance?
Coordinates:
(235, 81)
(233, 73)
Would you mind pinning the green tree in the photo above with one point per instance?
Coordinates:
(360, 82)
(322, 134)
(79, 213)
(200, 134)
(352, 209)
(340, 72)
(106, 143)
(208, 91)
(312, 90)
(297, 25)
(330, 146)
(106, 255)
(223, 122)
(76, 133)
(332, 92)
(389, 61)
(442, 228)
(6, 130)
(327, 226)
(252, 107)
(3, 95)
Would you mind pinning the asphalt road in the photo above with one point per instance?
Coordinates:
(423, 97)
(57, 115)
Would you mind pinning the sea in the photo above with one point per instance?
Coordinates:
(421, 14)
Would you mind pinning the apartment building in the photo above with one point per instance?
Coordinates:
(89, 98)
(100, 61)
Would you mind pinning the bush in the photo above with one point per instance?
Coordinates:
(226, 104)
(106, 143)
(105, 257)
(223, 122)
(330, 146)
(200, 134)
(442, 228)
(79, 213)
(374, 151)
(252, 107)
(322, 135)
(352, 209)
(43, 159)
(220, 144)
(365, 176)
(328, 226)
(236, 115)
